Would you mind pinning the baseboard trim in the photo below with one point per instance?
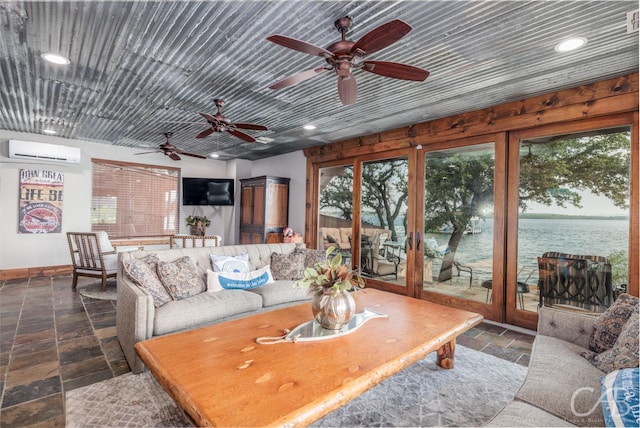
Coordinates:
(35, 272)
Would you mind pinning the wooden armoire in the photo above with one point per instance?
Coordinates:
(264, 209)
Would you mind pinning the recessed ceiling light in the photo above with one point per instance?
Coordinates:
(570, 44)
(55, 58)
(49, 131)
(309, 127)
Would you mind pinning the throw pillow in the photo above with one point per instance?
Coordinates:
(239, 281)
(213, 285)
(331, 239)
(180, 277)
(608, 325)
(143, 272)
(620, 399)
(238, 264)
(624, 352)
(311, 256)
(287, 266)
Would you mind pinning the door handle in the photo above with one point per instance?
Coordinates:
(410, 240)
(418, 241)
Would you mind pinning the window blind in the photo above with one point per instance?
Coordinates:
(134, 200)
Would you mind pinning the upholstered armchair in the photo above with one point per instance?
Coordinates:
(92, 255)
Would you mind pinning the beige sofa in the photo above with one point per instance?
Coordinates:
(138, 319)
(561, 388)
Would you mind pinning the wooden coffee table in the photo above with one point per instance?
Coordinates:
(220, 376)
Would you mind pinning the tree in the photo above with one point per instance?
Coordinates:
(384, 189)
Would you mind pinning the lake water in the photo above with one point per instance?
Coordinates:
(537, 236)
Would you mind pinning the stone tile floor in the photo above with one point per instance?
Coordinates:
(53, 340)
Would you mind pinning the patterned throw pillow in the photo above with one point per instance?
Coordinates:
(217, 281)
(624, 353)
(237, 264)
(608, 325)
(311, 256)
(180, 277)
(143, 272)
(287, 266)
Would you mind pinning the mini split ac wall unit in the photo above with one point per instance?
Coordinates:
(43, 152)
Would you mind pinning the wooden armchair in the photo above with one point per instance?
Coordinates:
(190, 241)
(575, 280)
(92, 255)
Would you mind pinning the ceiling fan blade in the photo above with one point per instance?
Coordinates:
(299, 45)
(250, 126)
(241, 135)
(297, 78)
(193, 155)
(173, 156)
(382, 36)
(395, 70)
(146, 153)
(347, 89)
(205, 133)
(209, 117)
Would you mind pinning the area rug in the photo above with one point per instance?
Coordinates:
(421, 395)
(93, 291)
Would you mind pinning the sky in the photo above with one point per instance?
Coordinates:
(591, 205)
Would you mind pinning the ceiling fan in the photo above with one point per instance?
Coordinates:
(170, 150)
(344, 56)
(218, 123)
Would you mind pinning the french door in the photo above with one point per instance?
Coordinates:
(463, 222)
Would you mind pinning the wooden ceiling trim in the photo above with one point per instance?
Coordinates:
(611, 96)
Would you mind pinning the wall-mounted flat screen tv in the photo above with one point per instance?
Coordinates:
(207, 191)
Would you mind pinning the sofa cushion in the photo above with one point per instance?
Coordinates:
(624, 353)
(181, 278)
(143, 273)
(519, 414)
(287, 266)
(241, 281)
(620, 400)
(279, 292)
(563, 383)
(203, 309)
(608, 325)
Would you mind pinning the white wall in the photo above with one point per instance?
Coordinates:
(31, 250)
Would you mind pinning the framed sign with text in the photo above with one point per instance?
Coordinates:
(40, 201)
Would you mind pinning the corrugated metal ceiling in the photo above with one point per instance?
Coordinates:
(137, 65)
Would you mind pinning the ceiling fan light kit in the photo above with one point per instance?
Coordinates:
(345, 55)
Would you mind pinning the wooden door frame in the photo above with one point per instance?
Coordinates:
(526, 318)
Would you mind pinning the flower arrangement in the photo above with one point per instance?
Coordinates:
(331, 274)
(198, 224)
(193, 220)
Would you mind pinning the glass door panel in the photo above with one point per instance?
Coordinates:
(458, 222)
(383, 228)
(335, 208)
(574, 202)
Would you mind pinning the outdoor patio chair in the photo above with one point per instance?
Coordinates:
(579, 281)
(190, 241)
(92, 255)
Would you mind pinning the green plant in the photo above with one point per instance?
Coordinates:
(619, 267)
(330, 274)
(193, 220)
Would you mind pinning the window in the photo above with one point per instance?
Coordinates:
(134, 200)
